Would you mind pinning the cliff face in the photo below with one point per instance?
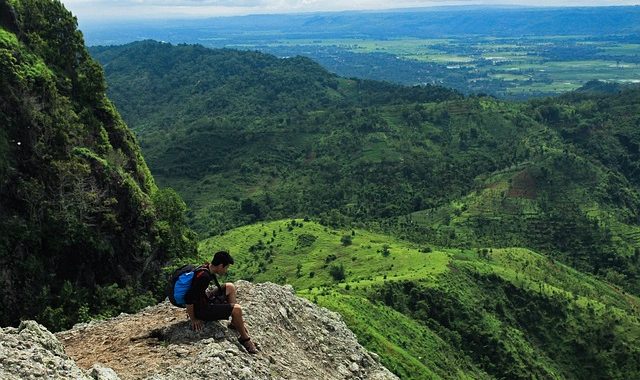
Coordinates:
(79, 210)
(296, 338)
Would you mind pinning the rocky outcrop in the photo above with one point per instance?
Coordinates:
(296, 338)
(32, 352)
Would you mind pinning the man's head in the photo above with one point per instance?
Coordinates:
(220, 262)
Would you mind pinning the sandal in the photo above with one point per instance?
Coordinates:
(248, 345)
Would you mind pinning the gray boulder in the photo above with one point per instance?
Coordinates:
(32, 352)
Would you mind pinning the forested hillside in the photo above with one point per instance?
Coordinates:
(244, 137)
(84, 230)
(574, 194)
(278, 137)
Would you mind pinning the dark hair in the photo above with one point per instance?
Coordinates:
(222, 257)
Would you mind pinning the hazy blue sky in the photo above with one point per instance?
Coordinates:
(93, 10)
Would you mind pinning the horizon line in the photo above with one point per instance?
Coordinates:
(426, 9)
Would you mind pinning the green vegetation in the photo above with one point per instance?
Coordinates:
(84, 231)
(428, 169)
(450, 313)
(271, 153)
(408, 201)
(556, 175)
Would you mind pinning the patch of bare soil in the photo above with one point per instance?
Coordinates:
(135, 346)
(523, 185)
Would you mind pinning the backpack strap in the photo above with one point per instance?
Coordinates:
(199, 270)
(215, 278)
(204, 267)
(215, 281)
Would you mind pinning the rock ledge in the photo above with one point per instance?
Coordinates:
(297, 340)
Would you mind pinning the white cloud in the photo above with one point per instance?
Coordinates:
(94, 10)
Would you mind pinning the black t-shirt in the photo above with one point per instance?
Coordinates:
(196, 295)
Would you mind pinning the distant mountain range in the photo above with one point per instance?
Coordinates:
(418, 23)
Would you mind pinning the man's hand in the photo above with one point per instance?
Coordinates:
(197, 324)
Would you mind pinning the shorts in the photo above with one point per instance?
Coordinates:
(213, 312)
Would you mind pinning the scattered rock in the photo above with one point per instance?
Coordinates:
(98, 372)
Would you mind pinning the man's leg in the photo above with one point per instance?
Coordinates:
(238, 322)
(230, 290)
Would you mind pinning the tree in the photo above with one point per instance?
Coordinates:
(337, 272)
(250, 207)
(298, 270)
(169, 206)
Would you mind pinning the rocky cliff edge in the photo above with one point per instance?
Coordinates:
(297, 340)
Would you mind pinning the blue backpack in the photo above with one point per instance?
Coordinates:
(180, 283)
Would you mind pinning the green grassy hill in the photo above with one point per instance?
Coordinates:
(432, 312)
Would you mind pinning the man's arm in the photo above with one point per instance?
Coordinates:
(196, 324)
(195, 295)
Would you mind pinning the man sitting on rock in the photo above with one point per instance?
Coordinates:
(218, 304)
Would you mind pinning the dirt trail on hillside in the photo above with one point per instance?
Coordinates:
(131, 344)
